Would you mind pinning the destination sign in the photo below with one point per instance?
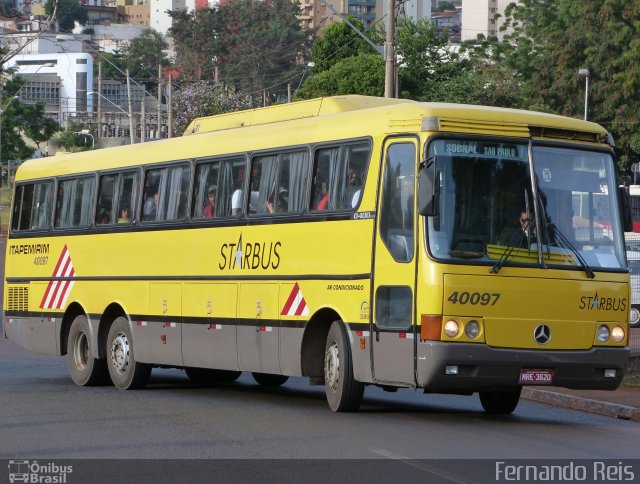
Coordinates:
(480, 149)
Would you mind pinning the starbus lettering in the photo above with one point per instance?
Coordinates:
(249, 255)
(597, 303)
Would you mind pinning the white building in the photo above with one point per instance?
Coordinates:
(60, 79)
(416, 9)
(483, 17)
(159, 19)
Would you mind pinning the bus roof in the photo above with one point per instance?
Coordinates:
(301, 123)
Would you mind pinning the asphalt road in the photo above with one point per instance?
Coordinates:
(44, 415)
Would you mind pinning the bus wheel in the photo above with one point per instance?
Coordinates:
(344, 393)
(85, 370)
(269, 380)
(126, 373)
(210, 377)
(500, 402)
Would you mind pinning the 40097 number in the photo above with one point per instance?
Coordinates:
(482, 298)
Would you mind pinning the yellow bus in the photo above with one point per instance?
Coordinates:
(351, 240)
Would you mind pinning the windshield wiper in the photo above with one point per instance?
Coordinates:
(567, 244)
(514, 241)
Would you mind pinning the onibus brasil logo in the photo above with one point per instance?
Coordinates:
(35, 472)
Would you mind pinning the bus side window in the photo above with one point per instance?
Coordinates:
(105, 213)
(339, 175)
(32, 206)
(74, 205)
(205, 191)
(230, 187)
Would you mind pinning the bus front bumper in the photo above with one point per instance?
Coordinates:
(476, 367)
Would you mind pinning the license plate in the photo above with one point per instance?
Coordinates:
(536, 377)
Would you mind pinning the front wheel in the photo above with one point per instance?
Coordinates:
(500, 402)
(344, 393)
(84, 368)
(269, 380)
(126, 373)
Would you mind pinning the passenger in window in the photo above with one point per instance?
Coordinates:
(354, 188)
(210, 206)
(282, 204)
(236, 198)
(125, 216)
(151, 207)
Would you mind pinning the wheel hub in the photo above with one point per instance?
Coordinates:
(120, 353)
(80, 351)
(332, 366)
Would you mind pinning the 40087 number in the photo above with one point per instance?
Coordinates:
(482, 298)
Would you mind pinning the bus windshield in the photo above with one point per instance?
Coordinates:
(487, 205)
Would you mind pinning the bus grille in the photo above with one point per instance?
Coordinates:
(18, 299)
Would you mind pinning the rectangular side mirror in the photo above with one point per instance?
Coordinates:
(625, 209)
(428, 188)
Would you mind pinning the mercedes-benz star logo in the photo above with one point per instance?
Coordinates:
(542, 334)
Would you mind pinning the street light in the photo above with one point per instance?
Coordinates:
(310, 65)
(585, 73)
(111, 102)
(85, 132)
(13, 98)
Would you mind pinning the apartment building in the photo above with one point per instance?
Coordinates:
(483, 17)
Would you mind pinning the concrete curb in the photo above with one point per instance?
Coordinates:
(578, 403)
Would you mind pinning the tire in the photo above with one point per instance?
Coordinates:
(344, 393)
(126, 373)
(269, 380)
(500, 402)
(85, 369)
(211, 377)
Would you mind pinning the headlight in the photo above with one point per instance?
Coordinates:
(451, 328)
(603, 334)
(617, 334)
(472, 329)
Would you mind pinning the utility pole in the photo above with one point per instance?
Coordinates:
(143, 124)
(159, 101)
(390, 51)
(99, 99)
(169, 109)
(130, 109)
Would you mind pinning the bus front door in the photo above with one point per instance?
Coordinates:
(392, 333)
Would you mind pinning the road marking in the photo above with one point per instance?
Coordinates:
(420, 465)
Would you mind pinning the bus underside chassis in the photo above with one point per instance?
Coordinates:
(344, 393)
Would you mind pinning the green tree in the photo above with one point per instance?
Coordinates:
(361, 74)
(196, 43)
(339, 41)
(430, 70)
(20, 121)
(255, 45)
(261, 43)
(145, 53)
(69, 12)
(70, 141)
(549, 41)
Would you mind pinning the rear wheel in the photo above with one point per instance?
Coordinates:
(84, 368)
(500, 402)
(344, 393)
(269, 380)
(126, 373)
(210, 377)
